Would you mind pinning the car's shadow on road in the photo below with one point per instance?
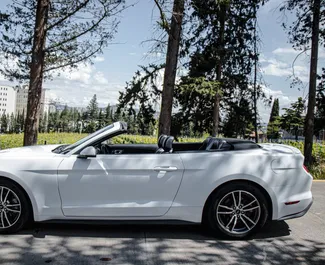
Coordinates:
(193, 232)
(71, 244)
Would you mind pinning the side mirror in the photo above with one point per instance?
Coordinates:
(89, 151)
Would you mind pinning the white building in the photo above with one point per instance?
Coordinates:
(22, 98)
(7, 99)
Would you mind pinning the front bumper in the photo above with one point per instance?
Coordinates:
(299, 214)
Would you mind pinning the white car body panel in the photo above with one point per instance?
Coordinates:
(119, 185)
(129, 187)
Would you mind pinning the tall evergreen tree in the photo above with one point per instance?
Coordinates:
(304, 34)
(92, 109)
(274, 121)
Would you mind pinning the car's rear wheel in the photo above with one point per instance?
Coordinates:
(237, 210)
(14, 208)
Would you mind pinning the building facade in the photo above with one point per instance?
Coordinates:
(22, 98)
(7, 99)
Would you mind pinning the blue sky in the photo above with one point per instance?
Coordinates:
(117, 64)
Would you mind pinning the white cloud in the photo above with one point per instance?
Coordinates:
(285, 51)
(100, 79)
(281, 64)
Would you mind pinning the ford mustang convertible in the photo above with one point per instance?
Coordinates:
(232, 186)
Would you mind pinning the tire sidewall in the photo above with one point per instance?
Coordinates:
(211, 215)
(25, 209)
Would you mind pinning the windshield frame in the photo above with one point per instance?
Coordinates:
(88, 138)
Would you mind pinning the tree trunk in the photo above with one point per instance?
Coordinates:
(217, 98)
(171, 67)
(36, 74)
(310, 117)
(255, 82)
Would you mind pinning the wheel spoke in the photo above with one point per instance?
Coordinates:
(251, 209)
(241, 218)
(230, 221)
(11, 210)
(5, 214)
(226, 207)
(13, 205)
(249, 204)
(2, 223)
(233, 227)
(239, 199)
(5, 199)
(224, 212)
(249, 219)
(1, 194)
(233, 196)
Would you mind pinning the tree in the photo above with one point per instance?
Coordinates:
(304, 34)
(140, 96)
(108, 114)
(174, 38)
(273, 125)
(4, 122)
(43, 36)
(92, 109)
(221, 49)
(320, 107)
(238, 121)
(292, 119)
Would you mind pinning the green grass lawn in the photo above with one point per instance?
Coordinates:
(16, 140)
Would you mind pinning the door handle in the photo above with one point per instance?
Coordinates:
(166, 169)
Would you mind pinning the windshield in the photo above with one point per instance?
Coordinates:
(81, 141)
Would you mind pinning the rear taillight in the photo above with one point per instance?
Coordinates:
(305, 168)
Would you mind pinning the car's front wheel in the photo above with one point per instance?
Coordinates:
(14, 210)
(237, 210)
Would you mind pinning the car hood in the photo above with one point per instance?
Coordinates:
(29, 150)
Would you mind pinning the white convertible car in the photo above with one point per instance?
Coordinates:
(233, 186)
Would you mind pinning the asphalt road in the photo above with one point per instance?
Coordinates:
(298, 241)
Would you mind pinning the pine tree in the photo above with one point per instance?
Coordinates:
(274, 121)
(92, 109)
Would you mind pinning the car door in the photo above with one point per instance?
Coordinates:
(118, 185)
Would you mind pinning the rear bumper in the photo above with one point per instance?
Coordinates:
(299, 214)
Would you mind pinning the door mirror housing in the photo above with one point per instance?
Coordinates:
(89, 151)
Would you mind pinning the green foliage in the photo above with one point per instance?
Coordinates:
(320, 106)
(137, 101)
(238, 121)
(292, 119)
(273, 126)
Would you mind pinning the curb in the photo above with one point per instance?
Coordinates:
(318, 180)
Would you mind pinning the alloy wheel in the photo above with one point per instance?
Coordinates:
(10, 207)
(238, 212)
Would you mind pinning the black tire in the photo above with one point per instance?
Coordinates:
(25, 210)
(216, 224)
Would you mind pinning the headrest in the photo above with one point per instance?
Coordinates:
(168, 146)
(162, 138)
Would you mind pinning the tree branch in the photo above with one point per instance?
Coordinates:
(68, 15)
(74, 62)
(94, 25)
(294, 61)
(163, 17)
